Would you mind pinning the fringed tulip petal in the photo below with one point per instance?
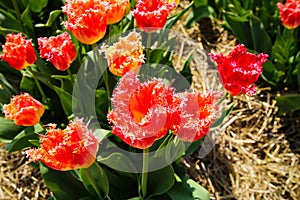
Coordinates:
(59, 50)
(290, 13)
(24, 110)
(152, 15)
(86, 19)
(142, 112)
(239, 70)
(18, 52)
(72, 148)
(125, 55)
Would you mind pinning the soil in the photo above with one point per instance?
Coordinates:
(256, 154)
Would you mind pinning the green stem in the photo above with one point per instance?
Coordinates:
(166, 140)
(37, 84)
(103, 71)
(148, 48)
(145, 172)
(71, 76)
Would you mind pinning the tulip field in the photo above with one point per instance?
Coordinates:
(149, 100)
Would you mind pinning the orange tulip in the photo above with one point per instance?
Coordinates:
(24, 110)
(86, 19)
(18, 52)
(125, 55)
(72, 148)
(116, 9)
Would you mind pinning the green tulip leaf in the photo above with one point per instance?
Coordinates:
(95, 180)
(63, 184)
(160, 181)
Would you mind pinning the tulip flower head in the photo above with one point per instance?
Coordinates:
(86, 19)
(125, 55)
(198, 111)
(24, 110)
(239, 70)
(152, 15)
(72, 148)
(290, 13)
(116, 10)
(59, 50)
(142, 112)
(18, 52)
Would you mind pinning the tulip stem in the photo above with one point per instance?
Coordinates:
(103, 71)
(37, 84)
(145, 172)
(148, 46)
(71, 76)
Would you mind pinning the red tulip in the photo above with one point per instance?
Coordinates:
(198, 111)
(18, 52)
(72, 148)
(24, 110)
(116, 9)
(142, 112)
(239, 70)
(59, 50)
(152, 15)
(290, 13)
(86, 19)
(125, 55)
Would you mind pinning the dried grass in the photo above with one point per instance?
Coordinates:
(18, 179)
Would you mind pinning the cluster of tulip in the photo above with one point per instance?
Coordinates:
(142, 112)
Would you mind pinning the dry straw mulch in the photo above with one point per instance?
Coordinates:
(18, 179)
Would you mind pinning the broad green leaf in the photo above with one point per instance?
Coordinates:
(160, 181)
(219, 121)
(65, 99)
(121, 161)
(188, 190)
(288, 103)
(186, 70)
(174, 19)
(199, 3)
(27, 20)
(37, 6)
(6, 90)
(197, 14)
(121, 186)
(95, 180)
(28, 85)
(22, 140)
(240, 29)
(193, 147)
(261, 41)
(8, 129)
(62, 184)
(66, 82)
(271, 75)
(8, 21)
(101, 104)
(174, 150)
